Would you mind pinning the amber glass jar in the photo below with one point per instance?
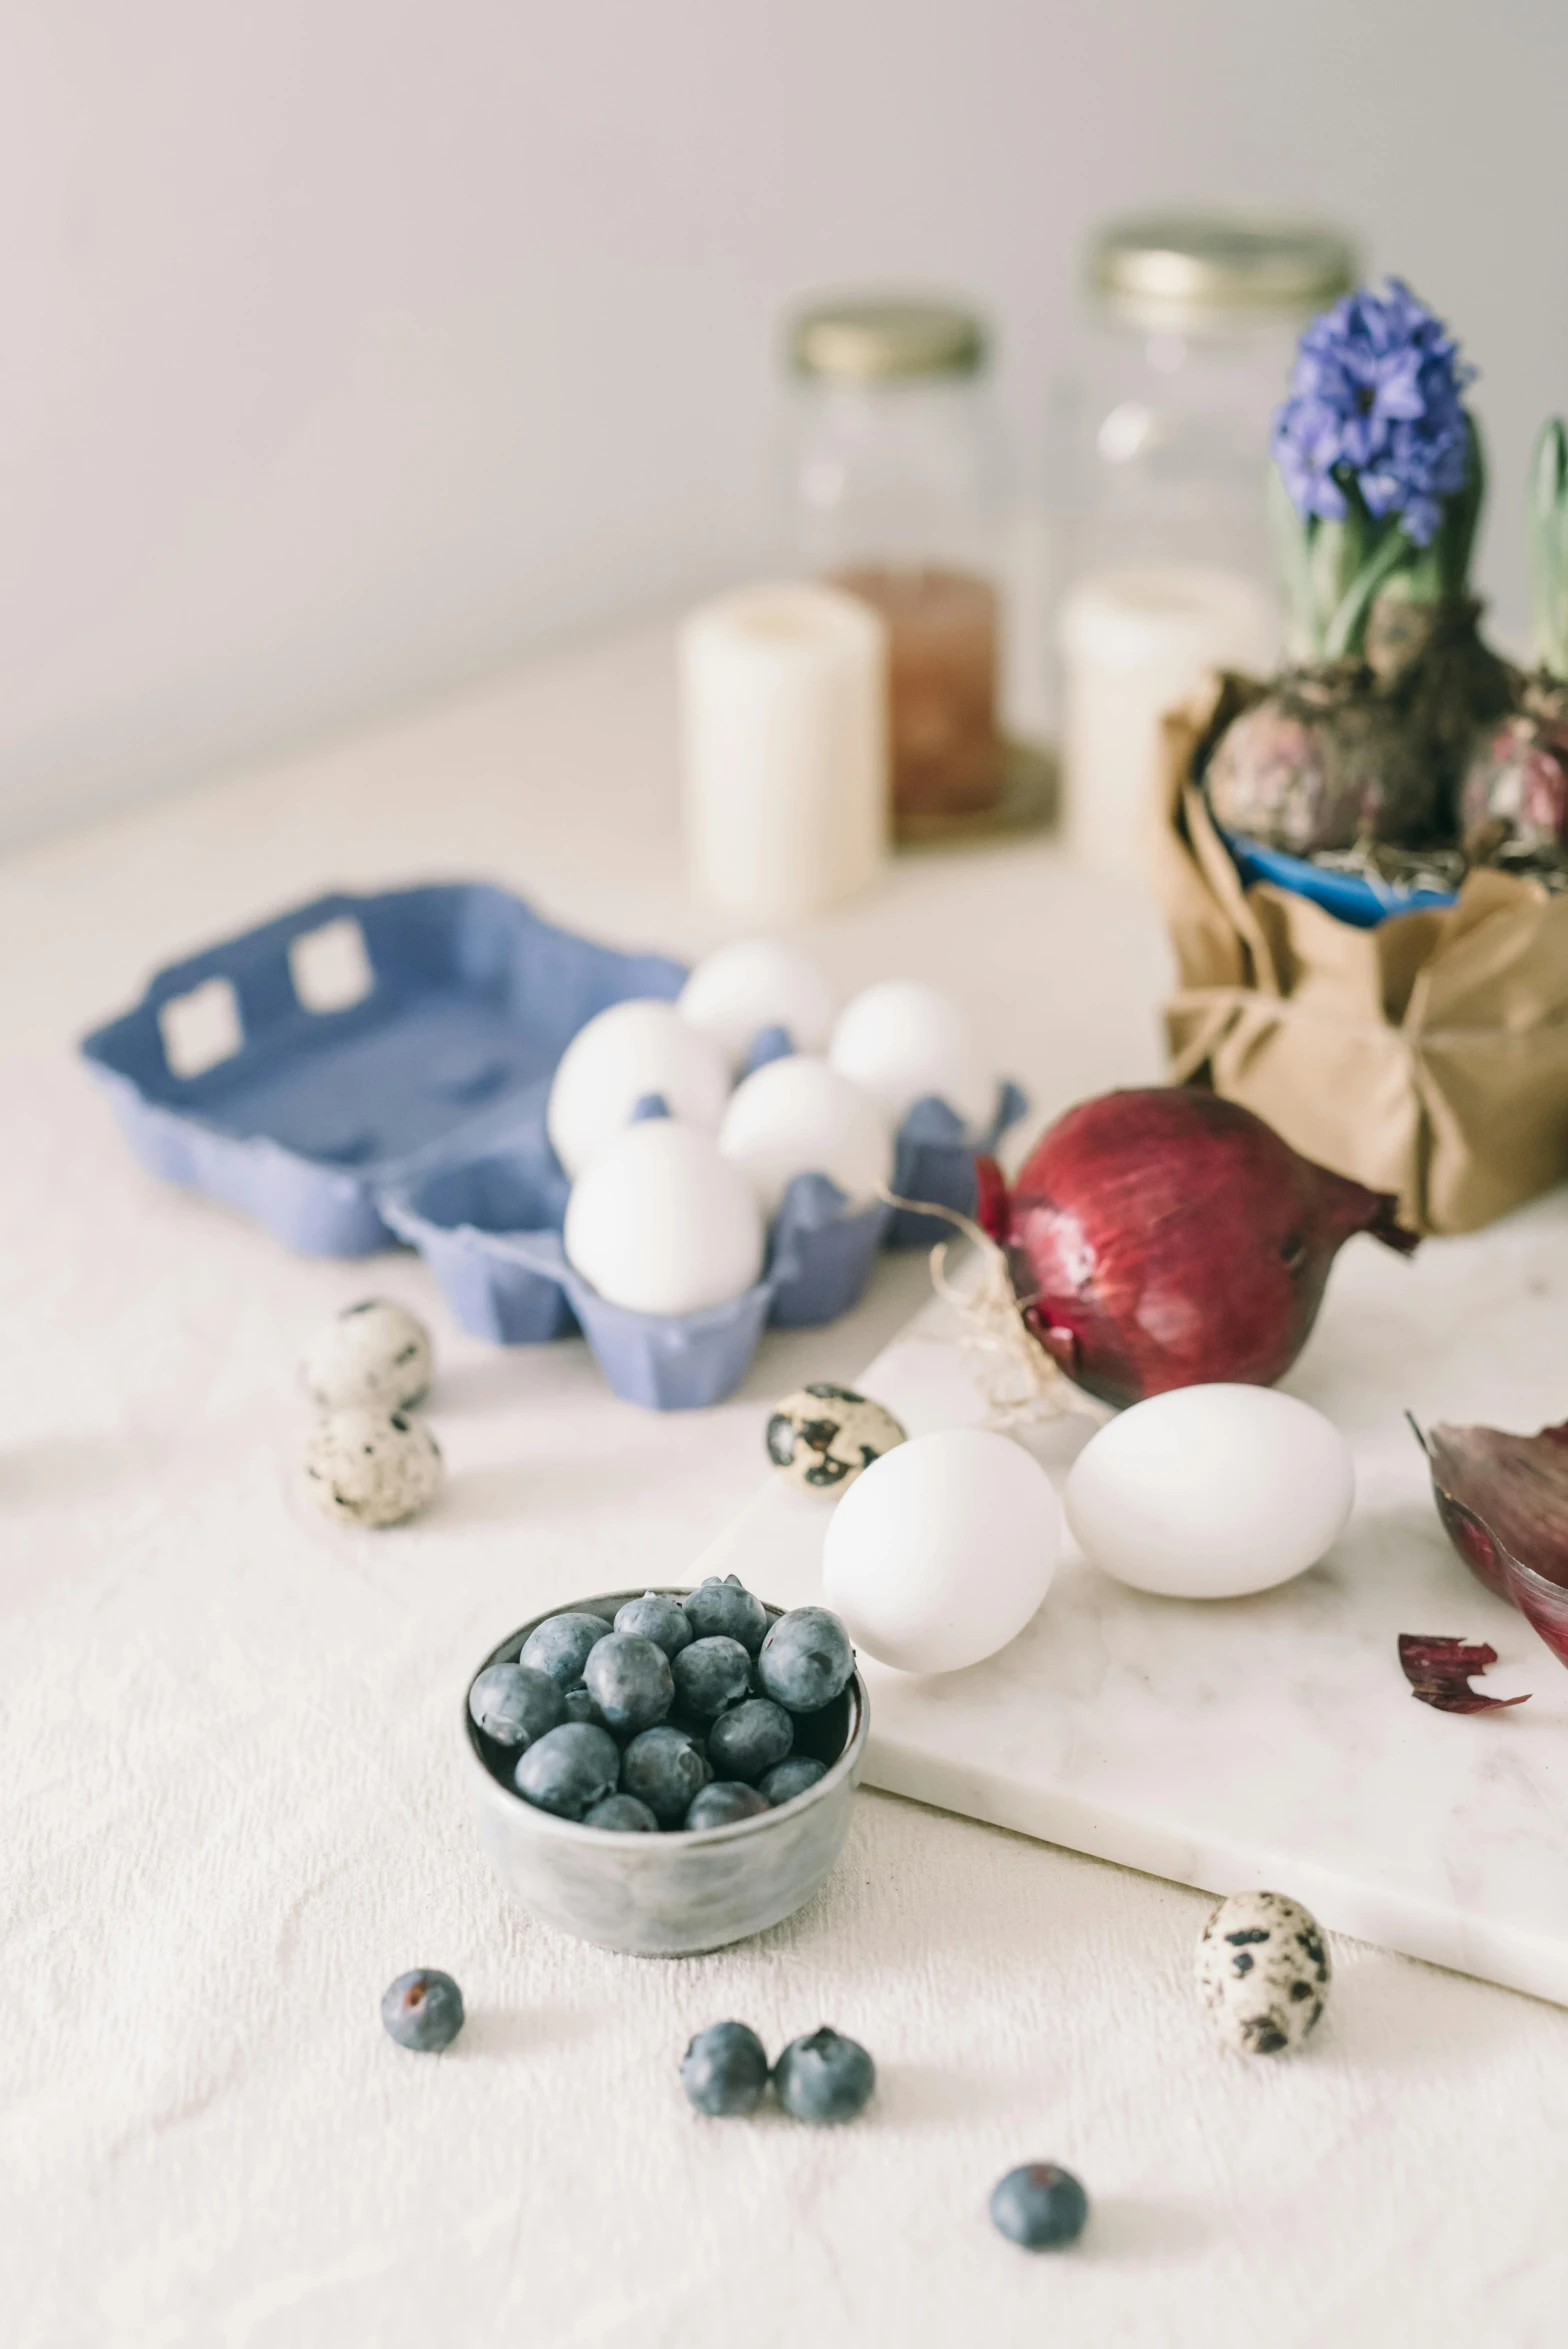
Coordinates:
(895, 485)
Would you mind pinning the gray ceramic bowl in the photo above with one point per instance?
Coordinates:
(669, 1895)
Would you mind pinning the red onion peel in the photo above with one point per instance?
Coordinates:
(1439, 1670)
(1503, 1500)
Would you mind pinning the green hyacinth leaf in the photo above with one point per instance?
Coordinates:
(1549, 547)
(1293, 536)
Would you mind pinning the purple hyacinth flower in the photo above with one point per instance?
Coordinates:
(1376, 403)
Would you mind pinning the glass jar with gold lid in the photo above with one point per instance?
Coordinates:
(896, 481)
(1191, 324)
(1160, 454)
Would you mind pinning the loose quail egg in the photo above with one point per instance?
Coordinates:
(372, 1467)
(1263, 1972)
(375, 1353)
(822, 1437)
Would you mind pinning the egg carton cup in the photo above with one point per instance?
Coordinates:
(935, 1161)
(451, 1005)
(511, 1283)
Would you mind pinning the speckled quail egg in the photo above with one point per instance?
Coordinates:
(822, 1437)
(374, 1353)
(367, 1467)
(1263, 1972)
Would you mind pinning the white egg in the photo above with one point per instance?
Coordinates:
(903, 1041)
(660, 1223)
(1211, 1492)
(739, 990)
(942, 1550)
(799, 1116)
(623, 1055)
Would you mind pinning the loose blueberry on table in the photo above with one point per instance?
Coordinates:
(423, 2010)
(1039, 2206)
(824, 2078)
(725, 2070)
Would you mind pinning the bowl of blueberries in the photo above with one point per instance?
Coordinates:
(665, 1772)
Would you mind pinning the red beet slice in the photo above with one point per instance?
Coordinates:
(1439, 1670)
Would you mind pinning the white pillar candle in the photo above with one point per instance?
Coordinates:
(784, 698)
(1136, 643)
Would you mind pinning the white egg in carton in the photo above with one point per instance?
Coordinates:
(714, 1164)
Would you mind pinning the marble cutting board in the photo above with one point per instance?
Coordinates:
(1272, 1741)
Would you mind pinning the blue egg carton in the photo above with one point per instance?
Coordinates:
(470, 999)
(414, 1110)
(490, 1231)
(934, 1161)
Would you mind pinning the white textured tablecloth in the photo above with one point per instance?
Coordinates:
(232, 1810)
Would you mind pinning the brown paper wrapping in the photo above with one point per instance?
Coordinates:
(1428, 1056)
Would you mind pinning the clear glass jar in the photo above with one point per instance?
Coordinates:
(1183, 357)
(895, 482)
(1159, 469)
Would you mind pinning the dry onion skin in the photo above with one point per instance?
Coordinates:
(1503, 1500)
(1439, 1672)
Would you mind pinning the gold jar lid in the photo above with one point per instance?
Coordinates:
(877, 338)
(1174, 270)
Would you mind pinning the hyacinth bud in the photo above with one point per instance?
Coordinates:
(1549, 548)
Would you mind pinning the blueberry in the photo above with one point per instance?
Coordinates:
(721, 1804)
(824, 2078)
(1040, 2206)
(569, 1769)
(782, 1784)
(623, 1814)
(513, 1704)
(750, 1738)
(561, 1645)
(660, 1619)
(629, 1680)
(711, 1674)
(423, 2010)
(580, 1705)
(806, 1660)
(663, 1769)
(725, 2070)
(727, 1610)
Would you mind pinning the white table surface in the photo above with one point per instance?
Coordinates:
(231, 1807)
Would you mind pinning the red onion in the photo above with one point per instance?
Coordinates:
(1167, 1238)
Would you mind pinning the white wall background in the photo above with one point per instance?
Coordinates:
(351, 345)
